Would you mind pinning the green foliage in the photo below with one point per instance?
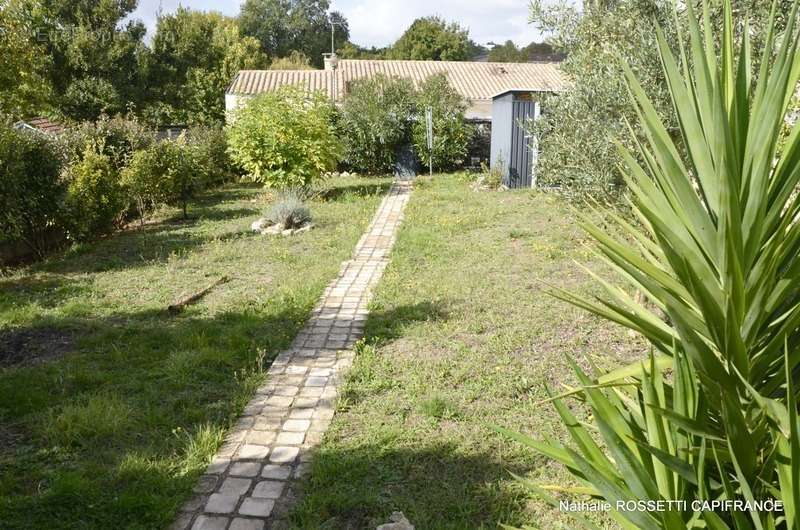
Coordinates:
(212, 160)
(432, 38)
(284, 26)
(349, 50)
(89, 98)
(290, 211)
(169, 172)
(25, 89)
(286, 138)
(92, 50)
(510, 53)
(144, 180)
(375, 121)
(31, 192)
(597, 40)
(195, 56)
(118, 138)
(451, 135)
(95, 201)
(183, 179)
(296, 60)
(715, 257)
(575, 150)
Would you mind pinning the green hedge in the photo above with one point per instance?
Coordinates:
(93, 178)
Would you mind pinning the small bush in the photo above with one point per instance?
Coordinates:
(183, 179)
(95, 200)
(165, 173)
(289, 212)
(451, 134)
(286, 138)
(375, 122)
(491, 177)
(211, 157)
(31, 192)
(144, 180)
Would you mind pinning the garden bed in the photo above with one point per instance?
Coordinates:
(113, 420)
(466, 339)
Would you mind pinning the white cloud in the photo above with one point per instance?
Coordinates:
(381, 22)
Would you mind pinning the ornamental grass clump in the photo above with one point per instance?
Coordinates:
(289, 212)
(712, 413)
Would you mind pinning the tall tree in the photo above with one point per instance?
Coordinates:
(91, 50)
(597, 40)
(24, 86)
(284, 26)
(432, 38)
(195, 55)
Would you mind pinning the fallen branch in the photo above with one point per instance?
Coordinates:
(179, 306)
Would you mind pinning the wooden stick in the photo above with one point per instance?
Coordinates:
(179, 306)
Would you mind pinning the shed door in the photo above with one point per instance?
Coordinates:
(521, 159)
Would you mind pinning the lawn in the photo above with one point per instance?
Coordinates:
(109, 406)
(461, 337)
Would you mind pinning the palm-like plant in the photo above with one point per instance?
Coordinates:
(716, 254)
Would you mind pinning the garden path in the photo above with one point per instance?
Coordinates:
(249, 485)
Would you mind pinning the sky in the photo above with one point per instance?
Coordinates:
(381, 22)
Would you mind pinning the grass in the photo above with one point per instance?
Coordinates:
(461, 337)
(109, 407)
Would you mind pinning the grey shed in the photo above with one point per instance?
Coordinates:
(513, 151)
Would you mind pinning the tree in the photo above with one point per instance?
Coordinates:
(24, 87)
(348, 50)
(451, 135)
(507, 53)
(195, 56)
(375, 121)
(283, 26)
(574, 132)
(87, 41)
(597, 41)
(285, 138)
(432, 38)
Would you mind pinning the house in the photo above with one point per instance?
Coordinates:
(39, 124)
(478, 82)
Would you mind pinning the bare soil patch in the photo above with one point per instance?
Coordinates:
(31, 346)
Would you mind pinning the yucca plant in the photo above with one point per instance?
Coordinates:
(715, 252)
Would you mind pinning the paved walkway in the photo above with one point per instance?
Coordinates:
(248, 485)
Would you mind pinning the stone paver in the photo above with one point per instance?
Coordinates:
(248, 485)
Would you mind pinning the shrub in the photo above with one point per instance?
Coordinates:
(286, 138)
(289, 212)
(95, 201)
(375, 122)
(165, 173)
(715, 253)
(118, 138)
(31, 192)
(211, 157)
(183, 180)
(451, 134)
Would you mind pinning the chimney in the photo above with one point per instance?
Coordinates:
(331, 61)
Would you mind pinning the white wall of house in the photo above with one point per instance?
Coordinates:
(234, 102)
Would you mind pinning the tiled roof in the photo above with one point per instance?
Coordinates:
(42, 124)
(473, 80)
